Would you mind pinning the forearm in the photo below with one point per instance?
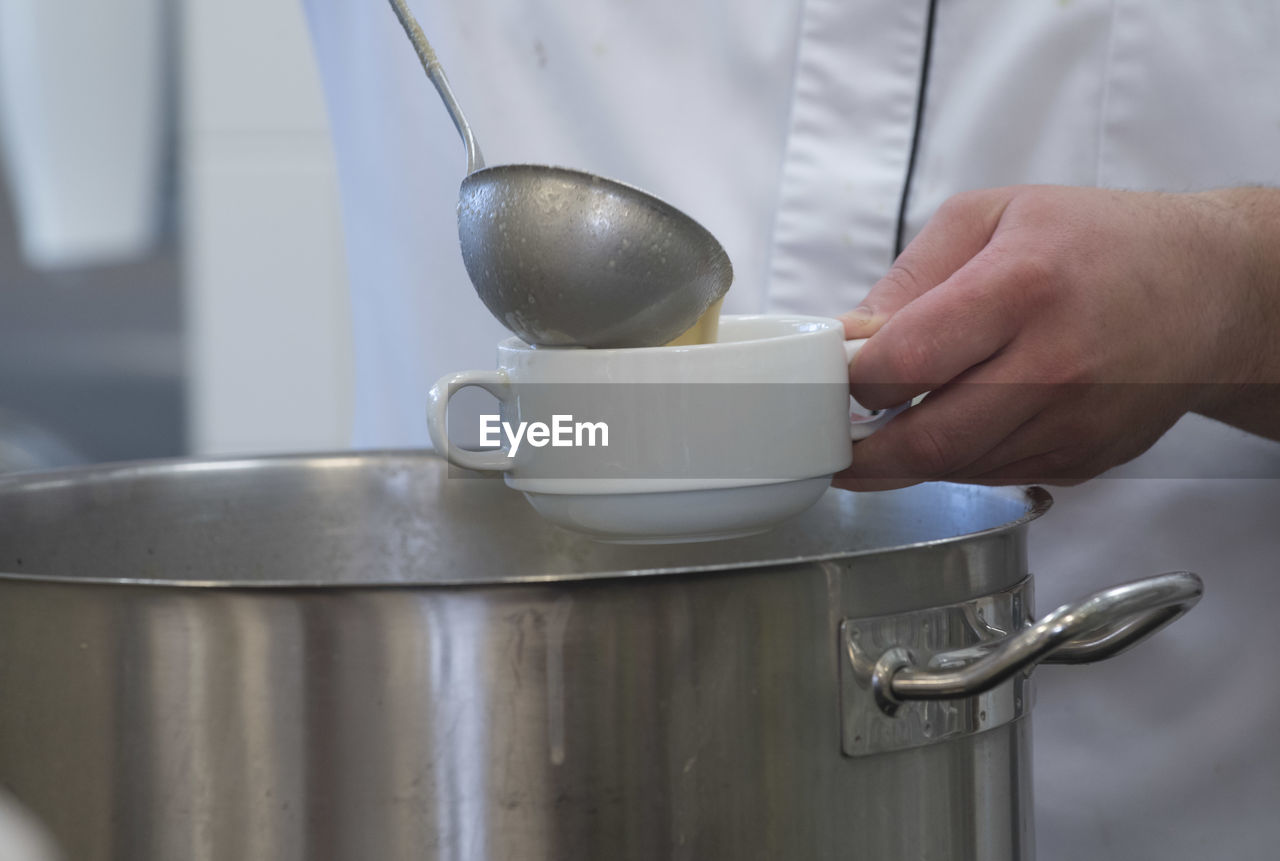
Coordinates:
(1246, 393)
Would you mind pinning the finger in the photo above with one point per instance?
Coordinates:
(1085, 430)
(1044, 468)
(1061, 441)
(1043, 449)
(960, 228)
(954, 427)
(1033, 442)
(965, 321)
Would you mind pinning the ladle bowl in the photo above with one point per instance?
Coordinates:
(566, 258)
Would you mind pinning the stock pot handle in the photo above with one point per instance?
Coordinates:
(1096, 627)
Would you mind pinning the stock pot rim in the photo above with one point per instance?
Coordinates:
(1036, 501)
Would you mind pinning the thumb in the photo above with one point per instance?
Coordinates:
(961, 227)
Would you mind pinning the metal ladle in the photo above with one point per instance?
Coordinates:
(566, 258)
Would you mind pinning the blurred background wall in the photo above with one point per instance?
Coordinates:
(171, 262)
(270, 353)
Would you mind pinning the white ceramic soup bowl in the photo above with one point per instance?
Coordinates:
(666, 444)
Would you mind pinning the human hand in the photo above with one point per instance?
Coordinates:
(1059, 331)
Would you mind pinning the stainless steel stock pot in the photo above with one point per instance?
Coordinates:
(375, 657)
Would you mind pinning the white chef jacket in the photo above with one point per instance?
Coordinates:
(787, 128)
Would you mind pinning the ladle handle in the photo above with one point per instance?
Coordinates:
(431, 64)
